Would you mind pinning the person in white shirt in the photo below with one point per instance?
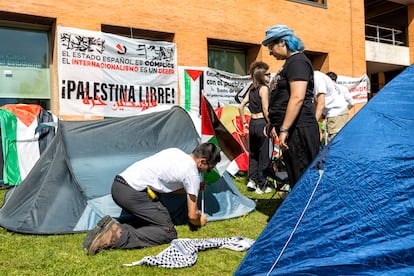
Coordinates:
(343, 90)
(331, 102)
(136, 191)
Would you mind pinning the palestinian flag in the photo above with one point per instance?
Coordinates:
(229, 116)
(193, 85)
(213, 130)
(22, 142)
(234, 157)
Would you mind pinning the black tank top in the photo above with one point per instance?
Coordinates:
(255, 101)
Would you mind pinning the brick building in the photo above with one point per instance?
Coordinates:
(333, 31)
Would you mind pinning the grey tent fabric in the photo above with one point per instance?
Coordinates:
(68, 189)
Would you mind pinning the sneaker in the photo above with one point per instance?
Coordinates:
(92, 233)
(267, 190)
(258, 191)
(251, 186)
(261, 191)
(285, 188)
(106, 238)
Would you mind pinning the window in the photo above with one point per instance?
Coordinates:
(24, 62)
(232, 57)
(228, 60)
(319, 3)
(137, 33)
(320, 61)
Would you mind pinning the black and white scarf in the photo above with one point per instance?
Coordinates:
(183, 252)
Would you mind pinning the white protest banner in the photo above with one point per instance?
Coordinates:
(219, 87)
(102, 74)
(359, 88)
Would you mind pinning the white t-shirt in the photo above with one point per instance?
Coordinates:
(165, 172)
(345, 92)
(335, 102)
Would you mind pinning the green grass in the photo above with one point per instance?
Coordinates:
(63, 254)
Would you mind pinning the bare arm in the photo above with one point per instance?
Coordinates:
(264, 95)
(241, 109)
(320, 105)
(194, 216)
(242, 106)
(297, 95)
(348, 98)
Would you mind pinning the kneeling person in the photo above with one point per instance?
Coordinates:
(135, 190)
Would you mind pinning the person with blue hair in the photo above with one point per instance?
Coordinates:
(291, 108)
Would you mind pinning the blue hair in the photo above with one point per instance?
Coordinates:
(294, 43)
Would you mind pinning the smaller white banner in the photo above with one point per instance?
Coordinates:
(359, 88)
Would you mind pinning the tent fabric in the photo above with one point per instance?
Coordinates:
(352, 211)
(68, 189)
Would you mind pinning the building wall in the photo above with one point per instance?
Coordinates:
(337, 30)
(410, 10)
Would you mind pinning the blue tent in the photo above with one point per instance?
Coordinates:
(352, 213)
(69, 188)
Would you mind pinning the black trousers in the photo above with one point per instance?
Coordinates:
(303, 145)
(151, 224)
(260, 152)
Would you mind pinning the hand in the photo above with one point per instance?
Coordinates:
(195, 225)
(245, 128)
(283, 136)
(203, 220)
(268, 130)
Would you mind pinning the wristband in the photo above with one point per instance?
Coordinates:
(282, 129)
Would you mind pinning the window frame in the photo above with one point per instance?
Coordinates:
(33, 23)
(314, 3)
(250, 51)
(137, 33)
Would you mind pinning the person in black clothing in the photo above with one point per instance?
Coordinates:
(291, 109)
(260, 146)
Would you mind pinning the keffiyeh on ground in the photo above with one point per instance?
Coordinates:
(183, 252)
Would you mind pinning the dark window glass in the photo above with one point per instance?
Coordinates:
(322, 3)
(229, 60)
(24, 66)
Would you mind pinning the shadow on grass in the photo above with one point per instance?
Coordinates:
(268, 207)
(265, 203)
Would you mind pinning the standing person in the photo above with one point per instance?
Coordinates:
(324, 91)
(257, 99)
(291, 108)
(135, 190)
(337, 105)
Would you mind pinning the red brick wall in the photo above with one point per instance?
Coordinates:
(337, 29)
